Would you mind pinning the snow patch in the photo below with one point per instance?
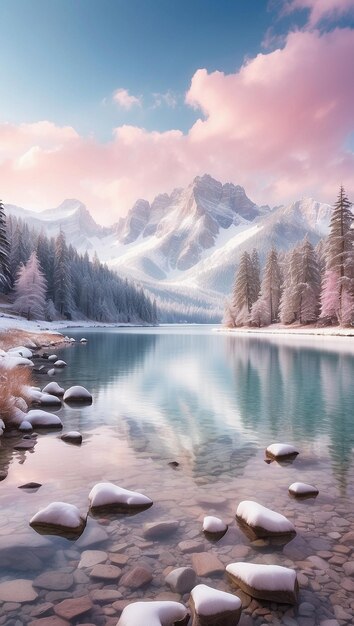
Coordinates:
(108, 494)
(278, 450)
(213, 524)
(258, 516)
(157, 613)
(208, 601)
(264, 577)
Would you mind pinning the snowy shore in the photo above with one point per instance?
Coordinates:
(8, 322)
(278, 329)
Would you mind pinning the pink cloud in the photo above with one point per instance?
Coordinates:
(320, 9)
(123, 98)
(279, 127)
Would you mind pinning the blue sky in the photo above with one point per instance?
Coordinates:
(63, 59)
(111, 100)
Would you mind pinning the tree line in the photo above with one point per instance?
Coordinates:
(47, 279)
(305, 285)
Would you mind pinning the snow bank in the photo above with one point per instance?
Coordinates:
(267, 582)
(157, 613)
(263, 521)
(303, 490)
(110, 495)
(77, 394)
(21, 351)
(208, 601)
(214, 525)
(53, 389)
(43, 419)
(281, 450)
(10, 361)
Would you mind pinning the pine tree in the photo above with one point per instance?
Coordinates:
(242, 291)
(256, 276)
(30, 290)
(309, 285)
(5, 279)
(62, 278)
(337, 293)
(271, 286)
(288, 308)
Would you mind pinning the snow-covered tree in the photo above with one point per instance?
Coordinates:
(4, 251)
(337, 292)
(242, 291)
(301, 287)
(260, 313)
(30, 290)
(256, 276)
(271, 286)
(62, 277)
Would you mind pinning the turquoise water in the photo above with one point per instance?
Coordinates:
(212, 402)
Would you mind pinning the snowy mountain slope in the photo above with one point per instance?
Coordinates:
(185, 246)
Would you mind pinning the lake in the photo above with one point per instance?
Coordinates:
(212, 402)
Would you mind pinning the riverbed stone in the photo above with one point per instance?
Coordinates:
(91, 537)
(137, 577)
(19, 590)
(73, 607)
(182, 579)
(206, 564)
(105, 596)
(89, 558)
(190, 545)
(52, 620)
(105, 572)
(24, 551)
(54, 581)
(158, 530)
(41, 610)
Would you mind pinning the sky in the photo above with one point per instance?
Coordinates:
(108, 101)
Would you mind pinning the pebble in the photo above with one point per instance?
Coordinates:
(181, 580)
(206, 564)
(105, 572)
(73, 607)
(137, 577)
(89, 558)
(56, 581)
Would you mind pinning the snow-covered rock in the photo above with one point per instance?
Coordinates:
(53, 389)
(59, 518)
(72, 437)
(43, 419)
(51, 372)
(33, 394)
(182, 579)
(156, 613)
(214, 525)
(77, 393)
(265, 582)
(108, 495)
(263, 522)
(21, 351)
(72, 340)
(281, 451)
(303, 490)
(60, 363)
(52, 358)
(213, 607)
(11, 361)
(25, 426)
(49, 400)
(83, 340)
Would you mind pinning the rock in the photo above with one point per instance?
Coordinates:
(261, 521)
(40, 610)
(73, 436)
(105, 596)
(157, 613)
(43, 419)
(19, 590)
(89, 558)
(182, 579)
(52, 358)
(59, 518)
(53, 389)
(54, 581)
(83, 340)
(92, 536)
(59, 364)
(157, 530)
(214, 526)
(265, 582)
(51, 372)
(190, 545)
(53, 620)
(77, 394)
(206, 564)
(105, 572)
(72, 608)
(49, 400)
(107, 496)
(25, 426)
(24, 551)
(30, 486)
(136, 577)
(3, 475)
(348, 568)
(306, 609)
(212, 607)
(281, 451)
(303, 490)
(25, 444)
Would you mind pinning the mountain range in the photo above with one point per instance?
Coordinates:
(184, 246)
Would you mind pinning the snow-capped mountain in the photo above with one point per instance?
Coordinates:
(185, 245)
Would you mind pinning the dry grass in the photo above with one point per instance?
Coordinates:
(12, 385)
(16, 337)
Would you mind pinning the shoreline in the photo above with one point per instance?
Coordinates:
(311, 331)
